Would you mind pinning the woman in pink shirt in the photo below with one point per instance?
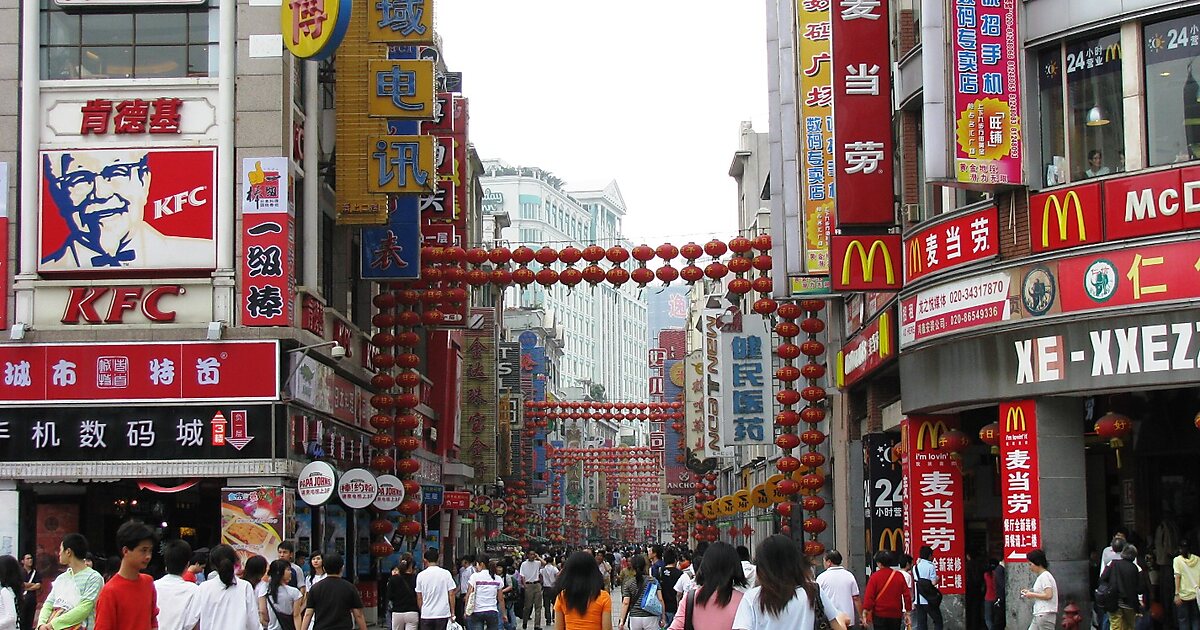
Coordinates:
(713, 605)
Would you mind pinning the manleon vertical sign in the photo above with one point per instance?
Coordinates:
(714, 406)
(933, 500)
(883, 495)
(479, 396)
(1019, 494)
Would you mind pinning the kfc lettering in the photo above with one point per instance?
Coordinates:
(175, 203)
(82, 303)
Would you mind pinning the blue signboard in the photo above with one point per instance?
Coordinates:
(393, 251)
(432, 495)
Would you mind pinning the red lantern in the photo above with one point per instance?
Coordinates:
(546, 255)
(407, 422)
(593, 274)
(642, 276)
(812, 459)
(787, 441)
(788, 486)
(763, 284)
(1114, 427)
(382, 441)
(812, 502)
(954, 442)
(812, 437)
(716, 270)
(812, 348)
(523, 276)
(785, 509)
(812, 371)
(787, 373)
(408, 443)
(570, 277)
(408, 507)
(643, 253)
(691, 274)
(811, 481)
(593, 253)
(667, 274)
(787, 418)
(381, 527)
(739, 265)
(381, 549)
(546, 276)
(616, 254)
(787, 397)
(383, 463)
(814, 525)
(500, 256)
(786, 328)
(761, 262)
(813, 393)
(410, 529)
(522, 255)
(788, 351)
(990, 435)
(765, 306)
(813, 548)
(740, 245)
(691, 251)
(408, 466)
(381, 421)
(787, 464)
(617, 276)
(813, 415)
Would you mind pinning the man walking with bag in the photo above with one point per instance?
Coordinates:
(929, 598)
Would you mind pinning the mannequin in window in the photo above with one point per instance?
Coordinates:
(1096, 167)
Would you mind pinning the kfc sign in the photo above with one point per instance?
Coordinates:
(126, 210)
(85, 304)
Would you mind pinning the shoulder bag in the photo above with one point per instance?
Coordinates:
(690, 607)
(650, 601)
(821, 620)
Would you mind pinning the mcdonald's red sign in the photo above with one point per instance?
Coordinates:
(866, 263)
(1063, 218)
(933, 498)
(1020, 495)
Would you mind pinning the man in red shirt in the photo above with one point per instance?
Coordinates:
(887, 599)
(128, 600)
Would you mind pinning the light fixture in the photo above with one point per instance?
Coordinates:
(18, 331)
(214, 331)
(336, 350)
(1095, 117)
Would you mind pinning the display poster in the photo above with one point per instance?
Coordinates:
(252, 521)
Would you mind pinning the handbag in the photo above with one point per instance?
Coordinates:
(821, 620)
(650, 601)
(470, 607)
(690, 607)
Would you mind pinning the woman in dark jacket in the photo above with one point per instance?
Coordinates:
(1123, 578)
(402, 595)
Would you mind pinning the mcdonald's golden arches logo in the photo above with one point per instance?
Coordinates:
(891, 539)
(929, 433)
(1014, 420)
(915, 259)
(1075, 210)
(876, 257)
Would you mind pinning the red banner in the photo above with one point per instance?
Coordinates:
(963, 240)
(862, 113)
(867, 350)
(268, 243)
(1020, 499)
(1131, 276)
(456, 500)
(933, 499)
(140, 372)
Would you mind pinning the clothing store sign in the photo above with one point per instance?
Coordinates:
(1020, 503)
(933, 498)
(35, 434)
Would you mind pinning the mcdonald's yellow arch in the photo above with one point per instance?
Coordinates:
(1015, 420)
(914, 257)
(866, 259)
(891, 539)
(1061, 210)
(931, 430)
(313, 29)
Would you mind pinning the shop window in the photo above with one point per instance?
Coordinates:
(1084, 122)
(1171, 49)
(137, 42)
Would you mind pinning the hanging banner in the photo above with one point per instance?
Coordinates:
(745, 359)
(816, 117)
(268, 243)
(987, 92)
(679, 478)
(883, 495)
(478, 411)
(1020, 498)
(252, 521)
(693, 407)
(862, 106)
(933, 499)
(714, 409)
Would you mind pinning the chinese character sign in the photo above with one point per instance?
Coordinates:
(745, 382)
(312, 29)
(1020, 504)
(965, 239)
(883, 494)
(399, 21)
(401, 164)
(933, 499)
(987, 91)
(401, 88)
(393, 252)
(693, 406)
(268, 282)
(130, 116)
(816, 117)
(477, 426)
(862, 102)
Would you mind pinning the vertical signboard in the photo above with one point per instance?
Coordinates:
(1020, 503)
(883, 495)
(409, 22)
(745, 380)
(693, 407)
(268, 243)
(679, 479)
(987, 92)
(862, 113)
(356, 205)
(816, 116)
(933, 499)
(4, 245)
(393, 252)
(478, 417)
(714, 401)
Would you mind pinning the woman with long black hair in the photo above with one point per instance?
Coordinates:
(12, 586)
(582, 603)
(633, 616)
(279, 600)
(227, 602)
(787, 597)
(485, 586)
(402, 594)
(713, 605)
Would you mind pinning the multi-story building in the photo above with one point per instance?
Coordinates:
(604, 327)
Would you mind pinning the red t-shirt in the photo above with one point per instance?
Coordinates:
(126, 604)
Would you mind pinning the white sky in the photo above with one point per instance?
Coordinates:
(647, 92)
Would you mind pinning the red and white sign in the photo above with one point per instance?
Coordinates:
(130, 116)
(869, 349)
(862, 112)
(1020, 498)
(317, 483)
(140, 372)
(391, 493)
(1067, 217)
(933, 499)
(4, 244)
(268, 247)
(456, 500)
(959, 305)
(125, 210)
(963, 240)
(357, 488)
(1155, 203)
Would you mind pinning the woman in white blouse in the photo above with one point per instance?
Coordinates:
(227, 602)
(11, 583)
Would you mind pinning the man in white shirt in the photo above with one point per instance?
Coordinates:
(287, 551)
(549, 574)
(177, 606)
(531, 575)
(435, 593)
(839, 585)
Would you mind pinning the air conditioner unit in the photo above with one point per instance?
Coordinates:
(912, 212)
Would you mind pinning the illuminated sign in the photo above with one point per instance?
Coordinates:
(401, 88)
(313, 29)
(1065, 218)
(962, 240)
(876, 258)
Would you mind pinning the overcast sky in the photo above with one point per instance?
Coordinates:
(646, 92)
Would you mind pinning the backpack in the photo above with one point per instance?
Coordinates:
(649, 601)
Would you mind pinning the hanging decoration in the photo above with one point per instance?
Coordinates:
(1115, 428)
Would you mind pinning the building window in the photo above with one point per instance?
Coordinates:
(135, 42)
(1094, 134)
(1170, 50)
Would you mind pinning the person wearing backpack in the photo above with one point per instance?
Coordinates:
(641, 599)
(929, 598)
(1122, 580)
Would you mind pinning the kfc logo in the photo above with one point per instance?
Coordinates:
(127, 209)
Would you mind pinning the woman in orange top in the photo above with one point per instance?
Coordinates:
(582, 603)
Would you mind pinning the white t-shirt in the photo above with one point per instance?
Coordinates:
(284, 604)
(531, 571)
(1043, 606)
(486, 587)
(840, 586)
(313, 579)
(684, 584)
(8, 609)
(549, 576)
(434, 584)
(233, 608)
(751, 573)
(177, 606)
(797, 614)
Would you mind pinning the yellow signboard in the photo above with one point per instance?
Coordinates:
(760, 496)
(312, 29)
(742, 500)
(355, 204)
(816, 110)
(401, 88)
(400, 21)
(401, 164)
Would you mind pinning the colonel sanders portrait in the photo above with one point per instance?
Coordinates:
(103, 197)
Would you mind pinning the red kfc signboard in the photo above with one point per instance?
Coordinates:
(140, 372)
(1020, 502)
(933, 499)
(862, 112)
(960, 241)
(126, 210)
